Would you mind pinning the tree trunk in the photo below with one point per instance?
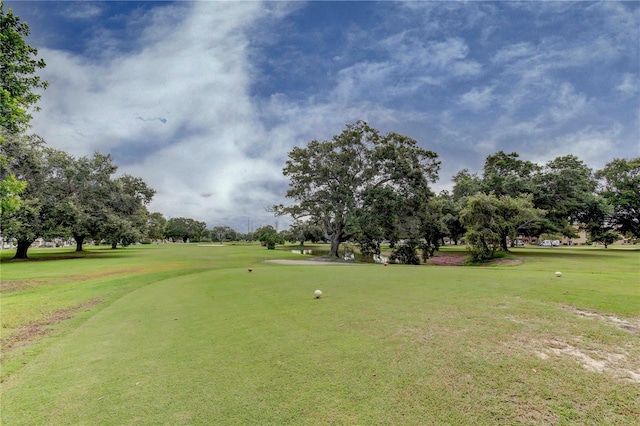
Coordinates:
(114, 246)
(21, 252)
(79, 241)
(503, 243)
(335, 243)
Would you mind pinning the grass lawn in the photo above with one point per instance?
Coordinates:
(184, 334)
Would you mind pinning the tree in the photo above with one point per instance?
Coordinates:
(451, 216)
(223, 233)
(620, 185)
(562, 188)
(28, 160)
(465, 185)
(156, 224)
(185, 229)
(506, 174)
(335, 183)
(492, 220)
(128, 216)
(18, 65)
(269, 237)
(84, 187)
(10, 189)
(301, 231)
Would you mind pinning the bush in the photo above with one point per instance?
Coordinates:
(406, 253)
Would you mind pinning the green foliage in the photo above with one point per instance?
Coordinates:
(65, 196)
(185, 229)
(506, 174)
(492, 220)
(156, 224)
(10, 190)
(406, 253)
(562, 188)
(620, 185)
(224, 233)
(17, 72)
(301, 231)
(28, 161)
(269, 237)
(339, 184)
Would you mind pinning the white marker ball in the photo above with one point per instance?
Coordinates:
(558, 274)
(318, 294)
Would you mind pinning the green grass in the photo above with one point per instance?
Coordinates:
(181, 334)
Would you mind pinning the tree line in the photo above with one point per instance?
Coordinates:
(368, 188)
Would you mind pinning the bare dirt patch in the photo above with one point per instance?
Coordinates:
(630, 325)
(36, 329)
(9, 286)
(314, 261)
(447, 260)
(619, 363)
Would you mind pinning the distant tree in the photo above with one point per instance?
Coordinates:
(185, 229)
(18, 65)
(301, 231)
(331, 182)
(595, 219)
(129, 215)
(492, 220)
(562, 188)
(620, 185)
(269, 237)
(451, 216)
(223, 233)
(434, 226)
(156, 224)
(84, 187)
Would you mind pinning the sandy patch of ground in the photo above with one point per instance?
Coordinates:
(620, 361)
(314, 261)
(632, 326)
(617, 362)
(31, 331)
(447, 260)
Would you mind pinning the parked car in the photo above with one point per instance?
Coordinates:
(555, 243)
(519, 243)
(545, 243)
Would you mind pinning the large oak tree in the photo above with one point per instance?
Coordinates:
(359, 180)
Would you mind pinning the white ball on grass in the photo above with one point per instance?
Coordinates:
(318, 294)
(558, 274)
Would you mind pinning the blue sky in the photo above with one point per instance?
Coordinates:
(205, 99)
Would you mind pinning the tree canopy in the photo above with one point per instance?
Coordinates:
(338, 183)
(620, 185)
(18, 64)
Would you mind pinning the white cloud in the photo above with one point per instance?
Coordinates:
(176, 112)
(591, 145)
(176, 99)
(568, 104)
(478, 99)
(629, 86)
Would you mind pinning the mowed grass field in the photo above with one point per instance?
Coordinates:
(184, 334)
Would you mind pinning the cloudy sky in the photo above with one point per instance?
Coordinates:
(205, 99)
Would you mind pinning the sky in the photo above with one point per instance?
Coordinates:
(204, 100)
